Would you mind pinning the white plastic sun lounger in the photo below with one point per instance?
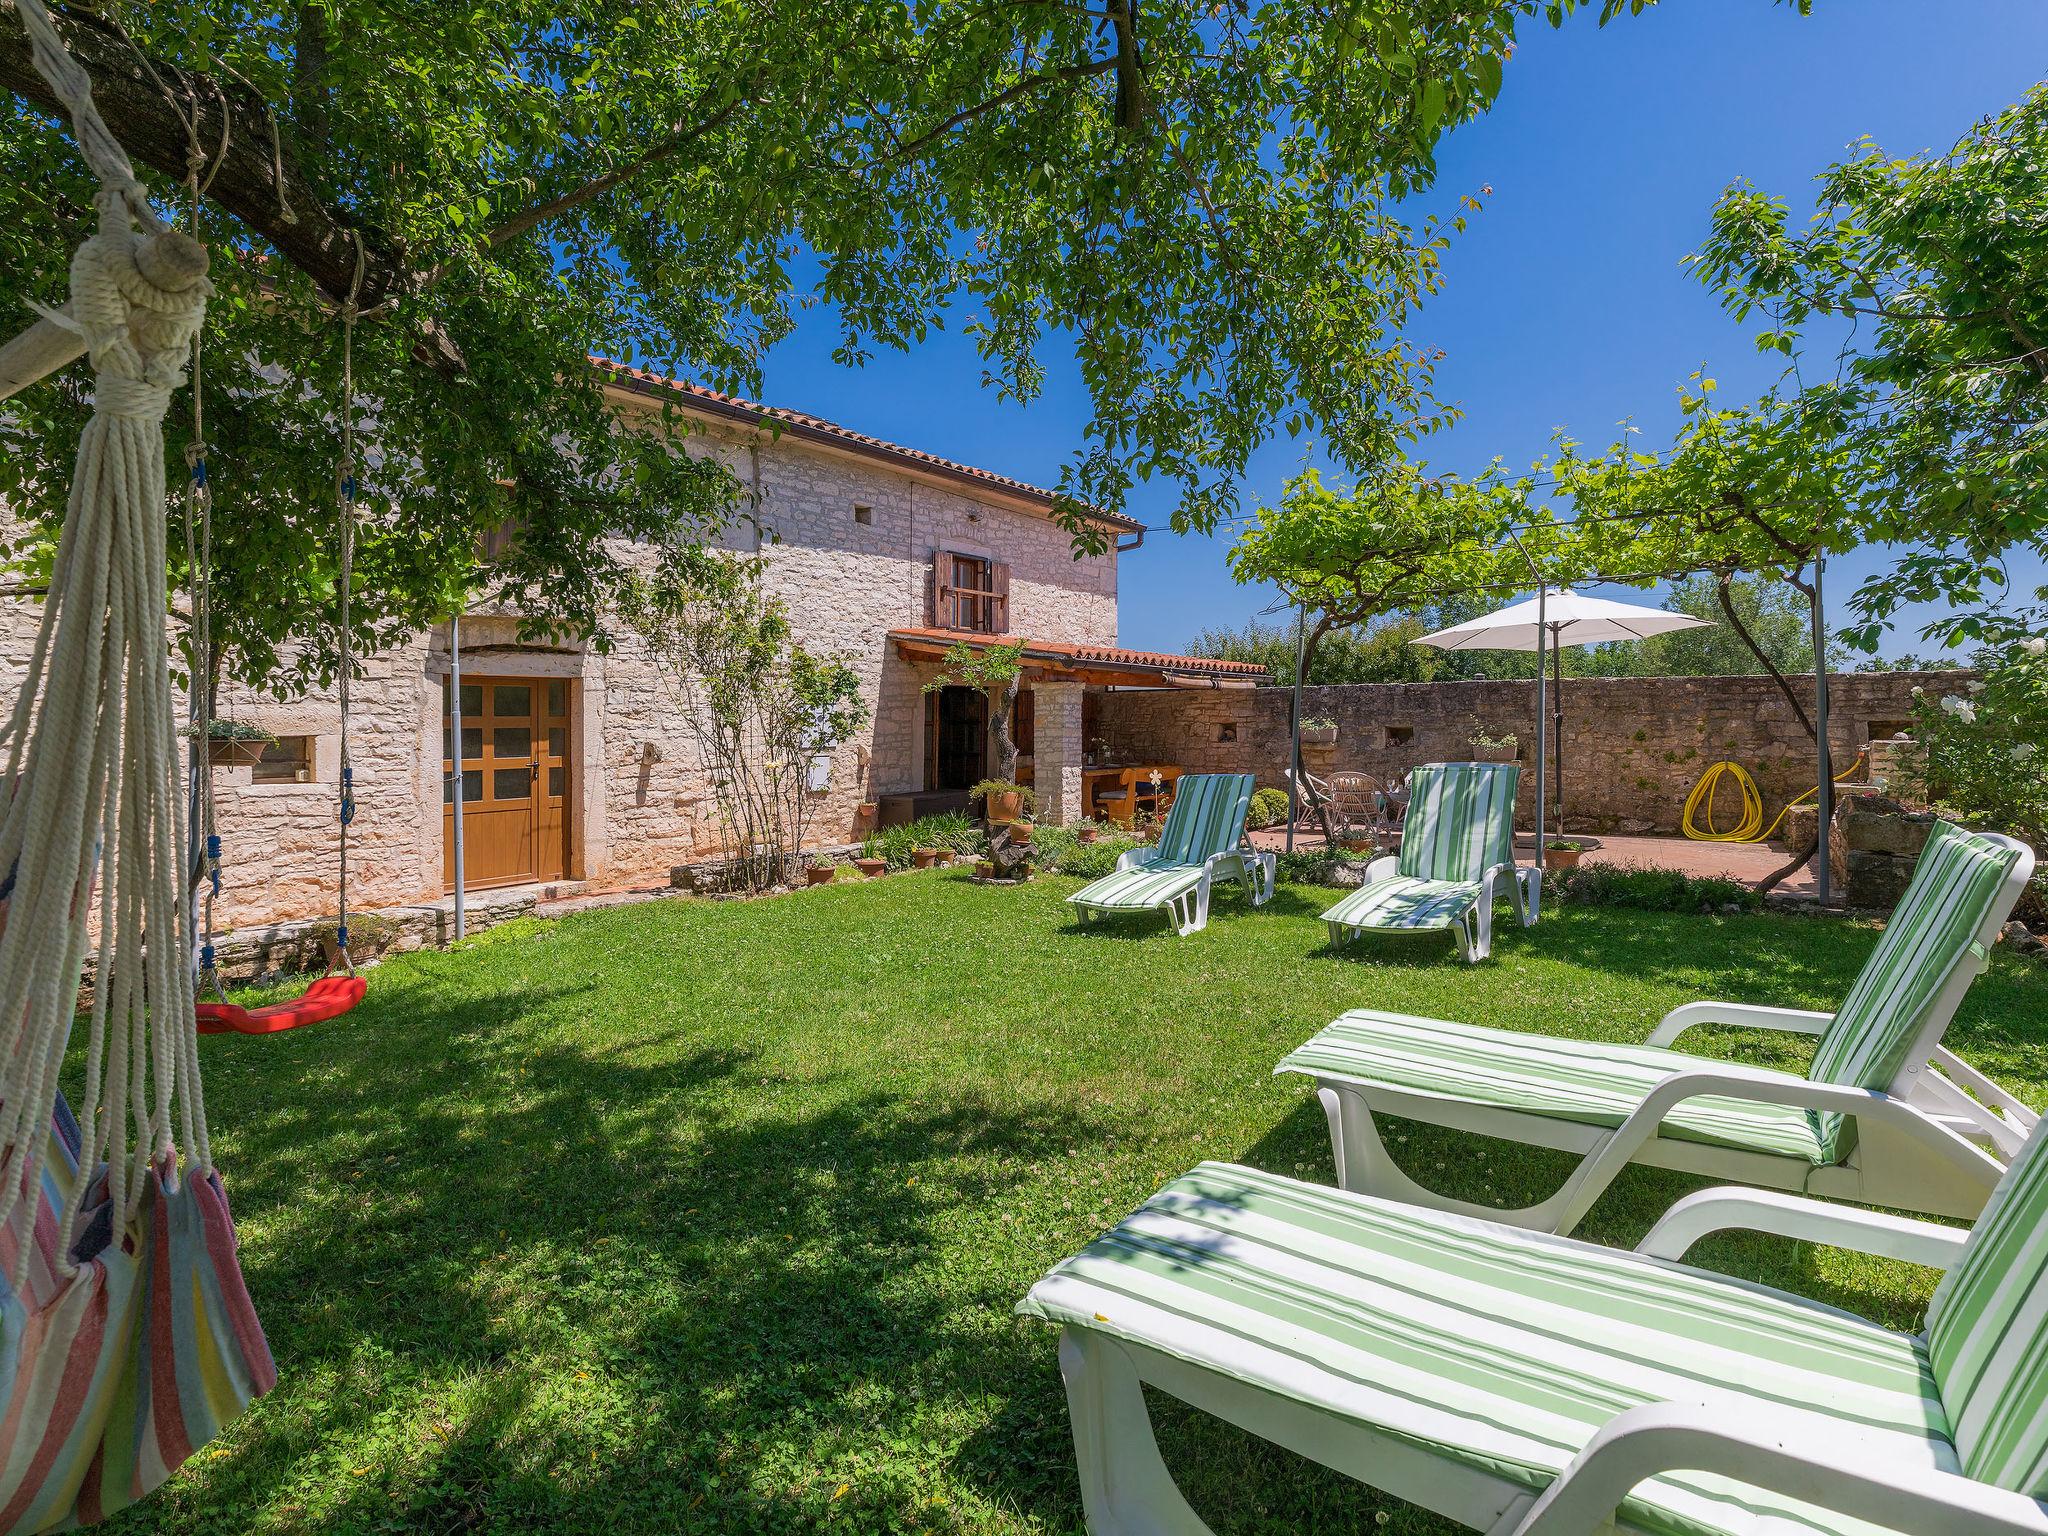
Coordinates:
(1457, 847)
(1885, 1114)
(1524, 1384)
(1202, 841)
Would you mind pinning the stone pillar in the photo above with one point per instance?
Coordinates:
(1057, 750)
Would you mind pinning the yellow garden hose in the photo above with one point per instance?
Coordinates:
(1751, 828)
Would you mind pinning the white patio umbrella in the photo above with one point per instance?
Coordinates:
(1559, 619)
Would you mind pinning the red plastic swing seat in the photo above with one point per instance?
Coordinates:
(328, 998)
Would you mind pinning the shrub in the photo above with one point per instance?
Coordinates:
(1061, 849)
(1647, 890)
(1269, 808)
(892, 845)
(1315, 866)
(1982, 746)
(949, 830)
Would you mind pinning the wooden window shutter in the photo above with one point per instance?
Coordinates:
(999, 583)
(941, 590)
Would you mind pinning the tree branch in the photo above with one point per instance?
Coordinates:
(291, 217)
(1742, 630)
(1023, 87)
(672, 144)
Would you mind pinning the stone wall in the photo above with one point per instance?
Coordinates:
(1633, 747)
(640, 800)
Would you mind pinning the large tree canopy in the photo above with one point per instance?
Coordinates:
(1196, 198)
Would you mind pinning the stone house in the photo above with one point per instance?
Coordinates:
(578, 773)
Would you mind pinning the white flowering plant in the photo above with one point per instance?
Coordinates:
(1984, 746)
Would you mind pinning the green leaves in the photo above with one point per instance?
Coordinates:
(1941, 263)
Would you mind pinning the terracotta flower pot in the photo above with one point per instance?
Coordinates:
(1020, 832)
(872, 868)
(984, 869)
(820, 874)
(1087, 835)
(1007, 806)
(943, 856)
(923, 858)
(1561, 858)
(1319, 736)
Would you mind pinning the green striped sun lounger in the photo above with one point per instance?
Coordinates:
(1204, 838)
(1525, 1384)
(1885, 1113)
(1456, 846)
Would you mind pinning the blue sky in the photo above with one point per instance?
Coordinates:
(1565, 304)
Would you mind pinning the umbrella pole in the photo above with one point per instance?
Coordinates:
(1542, 707)
(1294, 773)
(1557, 721)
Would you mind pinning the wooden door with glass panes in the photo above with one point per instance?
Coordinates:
(515, 772)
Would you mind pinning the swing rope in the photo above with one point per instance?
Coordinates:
(344, 649)
(92, 764)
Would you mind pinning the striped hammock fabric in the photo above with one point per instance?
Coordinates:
(111, 1378)
(1207, 818)
(1497, 1348)
(1933, 928)
(1987, 1333)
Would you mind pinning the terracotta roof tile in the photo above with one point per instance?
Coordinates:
(1098, 655)
(816, 427)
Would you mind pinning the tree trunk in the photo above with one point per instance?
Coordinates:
(1756, 650)
(1004, 701)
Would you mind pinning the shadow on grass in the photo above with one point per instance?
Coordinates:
(593, 1283)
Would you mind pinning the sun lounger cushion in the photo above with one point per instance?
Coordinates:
(1461, 820)
(1400, 902)
(1590, 1082)
(1133, 889)
(1987, 1329)
(1498, 1348)
(1929, 933)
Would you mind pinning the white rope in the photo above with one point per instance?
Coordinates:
(93, 780)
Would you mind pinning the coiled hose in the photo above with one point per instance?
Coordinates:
(1699, 804)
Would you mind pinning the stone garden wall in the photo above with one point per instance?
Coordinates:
(1633, 747)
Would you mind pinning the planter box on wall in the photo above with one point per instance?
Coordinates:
(236, 751)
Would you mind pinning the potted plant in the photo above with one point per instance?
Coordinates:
(943, 856)
(235, 744)
(1562, 853)
(1020, 832)
(1087, 832)
(1002, 800)
(923, 858)
(869, 861)
(984, 869)
(1494, 749)
(1318, 731)
(820, 874)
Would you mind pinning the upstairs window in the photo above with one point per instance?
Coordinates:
(970, 592)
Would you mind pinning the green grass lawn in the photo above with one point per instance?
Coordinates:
(710, 1216)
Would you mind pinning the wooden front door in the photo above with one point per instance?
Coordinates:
(515, 781)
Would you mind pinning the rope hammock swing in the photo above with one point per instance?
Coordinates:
(127, 1336)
